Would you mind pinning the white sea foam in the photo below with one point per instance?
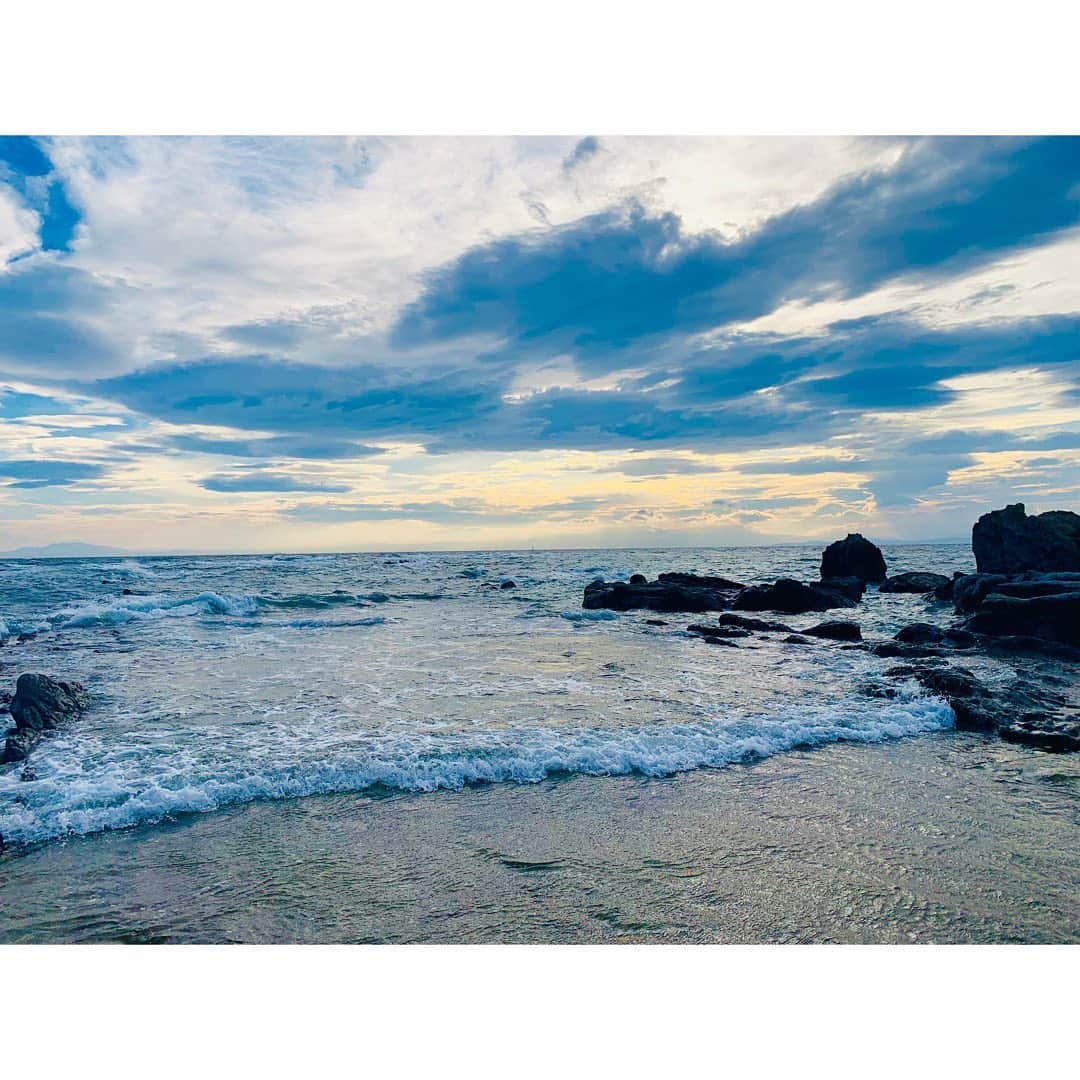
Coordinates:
(123, 789)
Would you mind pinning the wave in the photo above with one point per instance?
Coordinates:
(69, 799)
(119, 611)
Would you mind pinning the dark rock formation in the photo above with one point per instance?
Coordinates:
(1009, 542)
(835, 630)
(638, 579)
(700, 581)
(1053, 617)
(39, 705)
(797, 639)
(719, 631)
(508, 585)
(854, 556)
(655, 622)
(916, 581)
(670, 592)
(1026, 711)
(712, 639)
(792, 597)
(928, 634)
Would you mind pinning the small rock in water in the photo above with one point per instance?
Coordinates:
(638, 579)
(39, 705)
(835, 630)
(508, 585)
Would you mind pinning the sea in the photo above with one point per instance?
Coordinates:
(393, 747)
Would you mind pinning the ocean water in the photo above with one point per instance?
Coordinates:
(221, 683)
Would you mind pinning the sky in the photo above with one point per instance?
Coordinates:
(311, 344)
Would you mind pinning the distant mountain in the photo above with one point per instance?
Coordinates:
(72, 549)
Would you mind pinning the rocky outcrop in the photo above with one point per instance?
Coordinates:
(916, 581)
(743, 622)
(670, 592)
(928, 634)
(1021, 712)
(40, 704)
(835, 630)
(854, 556)
(793, 597)
(1009, 542)
(1054, 617)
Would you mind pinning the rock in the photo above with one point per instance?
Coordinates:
(945, 592)
(638, 579)
(713, 640)
(901, 650)
(797, 639)
(1058, 736)
(916, 581)
(655, 622)
(1009, 542)
(1053, 617)
(747, 622)
(719, 631)
(974, 706)
(508, 585)
(835, 630)
(674, 592)
(854, 556)
(928, 634)
(39, 705)
(791, 597)
(700, 581)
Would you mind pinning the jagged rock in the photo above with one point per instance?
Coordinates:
(945, 592)
(39, 705)
(792, 597)
(1053, 617)
(916, 581)
(835, 630)
(854, 556)
(1026, 710)
(670, 592)
(1009, 542)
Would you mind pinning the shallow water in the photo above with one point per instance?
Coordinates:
(221, 683)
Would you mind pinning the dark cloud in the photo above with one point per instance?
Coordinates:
(610, 280)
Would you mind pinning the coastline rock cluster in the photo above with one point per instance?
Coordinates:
(1023, 600)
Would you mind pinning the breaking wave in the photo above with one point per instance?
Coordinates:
(122, 790)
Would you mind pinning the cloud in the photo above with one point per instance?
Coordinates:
(25, 166)
(267, 482)
(44, 473)
(614, 278)
(583, 150)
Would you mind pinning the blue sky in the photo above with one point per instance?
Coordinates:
(306, 344)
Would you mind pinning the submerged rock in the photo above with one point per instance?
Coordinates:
(793, 597)
(854, 556)
(508, 585)
(916, 581)
(835, 630)
(1009, 542)
(39, 705)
